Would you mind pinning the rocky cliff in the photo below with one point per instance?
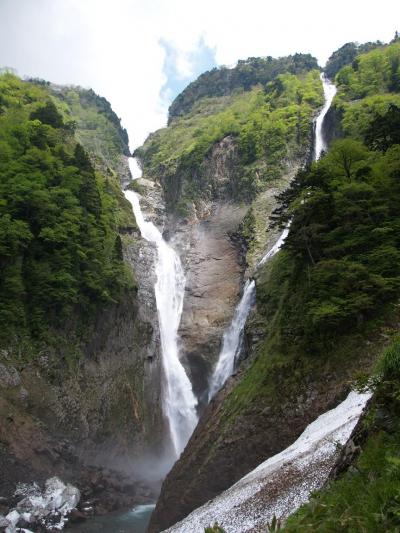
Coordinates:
(82, 401)
(218, 179)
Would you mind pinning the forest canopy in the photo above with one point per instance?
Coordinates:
(60, 251)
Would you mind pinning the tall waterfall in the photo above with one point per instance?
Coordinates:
(329, 94)
(233, 336)
(179, 402)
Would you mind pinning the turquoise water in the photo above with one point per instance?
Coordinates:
(135, 521)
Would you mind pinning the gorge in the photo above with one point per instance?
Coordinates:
(210, 332)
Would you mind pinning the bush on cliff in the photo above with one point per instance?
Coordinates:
(343, 246)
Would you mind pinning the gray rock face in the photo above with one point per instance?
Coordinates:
(214, 273)
(9, 376)
(212, 263)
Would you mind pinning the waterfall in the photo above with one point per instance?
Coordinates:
(276, 247)
(233, 336)
(179, 402)
(329, 94)
(232, 340)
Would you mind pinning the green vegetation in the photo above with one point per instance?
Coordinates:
(266, 125)
(86, 112)
(343, 248)
(367, 497)
(367, 88)
(98, 129)
(214, 529)
(345, 55)
(336, 281)
(60, 251)
(246, 74)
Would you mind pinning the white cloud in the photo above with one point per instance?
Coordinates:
(116, 47)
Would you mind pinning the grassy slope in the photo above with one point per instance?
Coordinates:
(99, 131)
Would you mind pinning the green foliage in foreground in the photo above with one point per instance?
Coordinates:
(60, 253)
(367, 497)
(267, 124)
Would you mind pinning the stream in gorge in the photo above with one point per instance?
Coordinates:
(178, 400)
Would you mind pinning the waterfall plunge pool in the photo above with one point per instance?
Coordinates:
(134, 521)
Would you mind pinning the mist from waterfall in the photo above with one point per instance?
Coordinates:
(179, 401)
(233, 337)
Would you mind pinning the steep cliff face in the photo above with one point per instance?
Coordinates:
(220, 163)
(80, 396)
(220, 190)
(252, 419)
(213, 265)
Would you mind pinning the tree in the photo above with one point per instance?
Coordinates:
(48, 114)
(345, 157)
(384, 130)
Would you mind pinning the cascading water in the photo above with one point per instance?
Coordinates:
(276, 247)
(179, 402)
(232, 340)
(233, 336)
(329, 94)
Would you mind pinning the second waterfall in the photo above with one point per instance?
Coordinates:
(232, 340)
(179, 402)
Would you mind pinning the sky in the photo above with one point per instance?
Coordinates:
(140, 54)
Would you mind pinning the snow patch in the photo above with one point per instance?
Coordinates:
(282, 483)
(48, 508)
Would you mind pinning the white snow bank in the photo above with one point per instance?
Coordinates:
(48, 507)
(285, 481)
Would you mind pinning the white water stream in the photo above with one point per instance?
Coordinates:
(233, 336)
(329, 94)
(179, 401)
(232, 340)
